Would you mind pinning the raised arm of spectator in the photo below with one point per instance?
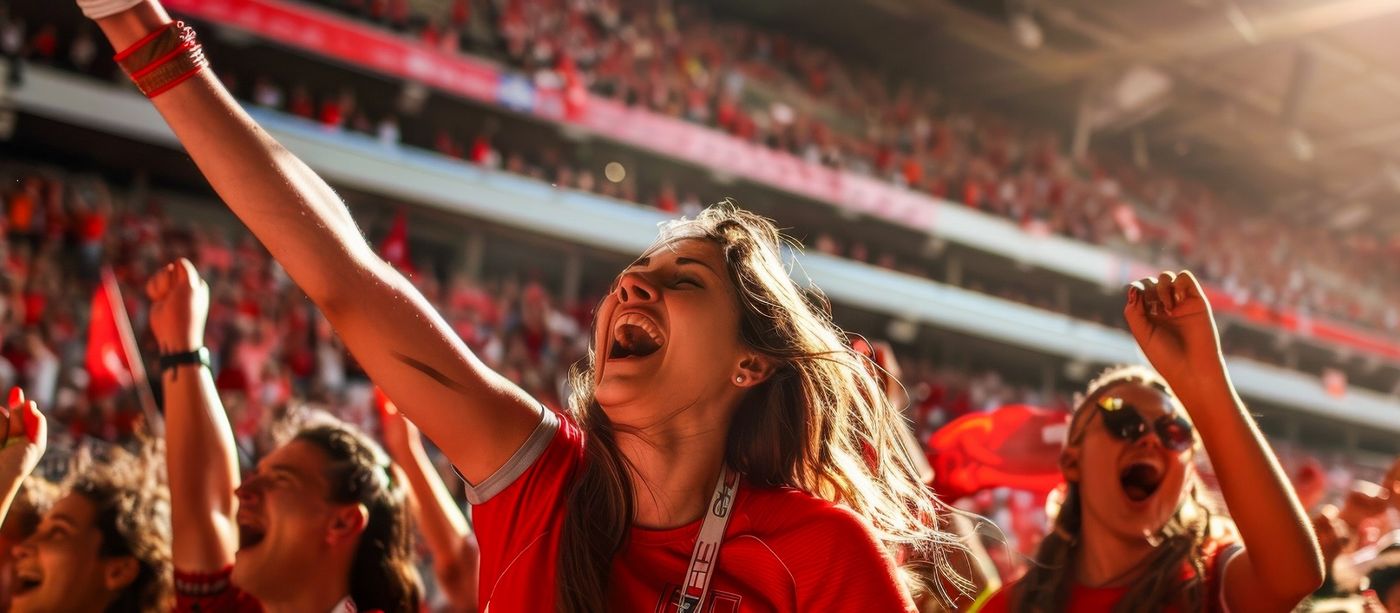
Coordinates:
(200, 456)
(886, 370)
(1172, 321)
(974, 562)
(477, 416)
(26, 437)
(440, 520)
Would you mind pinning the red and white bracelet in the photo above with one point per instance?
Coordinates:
(163, 59)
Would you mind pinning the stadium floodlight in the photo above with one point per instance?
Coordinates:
(615, 172)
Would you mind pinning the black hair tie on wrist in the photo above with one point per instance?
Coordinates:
(198, 356)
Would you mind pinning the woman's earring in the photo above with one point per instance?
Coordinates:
(739, 379)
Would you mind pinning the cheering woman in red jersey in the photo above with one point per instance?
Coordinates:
(725, 448)
(1132, 533)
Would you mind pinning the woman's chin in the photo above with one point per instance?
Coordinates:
(613, 392)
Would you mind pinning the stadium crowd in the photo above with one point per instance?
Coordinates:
(219, 509)
(268, 342)
(278, 362)
(775, 90)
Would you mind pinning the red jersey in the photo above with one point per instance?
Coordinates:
(784, 549)
(215, 593)
(1082, 598)
(212, 593)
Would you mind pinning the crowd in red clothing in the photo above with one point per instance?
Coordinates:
(276, 355)
(775, 89)
(833, 113)
(1154, 487)
(269, 340)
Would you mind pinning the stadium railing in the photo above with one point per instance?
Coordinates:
(423, 177)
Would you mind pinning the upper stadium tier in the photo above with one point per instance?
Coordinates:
(364, 164)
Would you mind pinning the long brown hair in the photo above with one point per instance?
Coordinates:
(820, 423)
(1046, 586)
(382, 575)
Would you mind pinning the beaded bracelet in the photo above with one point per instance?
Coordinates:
(163, 59)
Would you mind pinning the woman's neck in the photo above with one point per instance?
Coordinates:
(1108, 560)
(673, 470)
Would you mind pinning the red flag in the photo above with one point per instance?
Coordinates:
(394, 249)
(109, 368)
(1015, 446)
(575, 92)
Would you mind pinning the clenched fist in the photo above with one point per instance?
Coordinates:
(401, 438)
(1172, 322)
(179, 306)
(26, 437)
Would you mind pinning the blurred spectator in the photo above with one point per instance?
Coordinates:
(12, 43)
(267, 94)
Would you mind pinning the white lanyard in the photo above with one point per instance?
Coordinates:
(704, 561)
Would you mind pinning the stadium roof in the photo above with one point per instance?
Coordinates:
(1295, 103)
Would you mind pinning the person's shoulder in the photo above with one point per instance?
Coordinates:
(545, 462)
(833, 554)
(788, 507)
(789, 517)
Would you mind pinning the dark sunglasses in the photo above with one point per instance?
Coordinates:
(1125, 423)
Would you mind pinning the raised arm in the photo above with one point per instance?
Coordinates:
(885, 368)
(26, 437)
(1172, 321)
(440, 520)
(478, 417)
(200, 457)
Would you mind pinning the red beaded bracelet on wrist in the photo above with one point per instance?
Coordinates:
(163, 59)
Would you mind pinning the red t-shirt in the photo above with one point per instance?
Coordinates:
(215, 593)
(212, 593)
(1083, 598)
(784, 550)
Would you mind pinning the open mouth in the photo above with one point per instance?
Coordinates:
(634, 336)
(249, 536)
(26, 582)
(1140, 480)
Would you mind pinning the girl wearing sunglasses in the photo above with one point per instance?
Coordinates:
(1132, 533)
